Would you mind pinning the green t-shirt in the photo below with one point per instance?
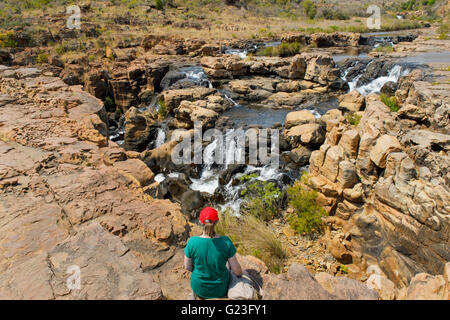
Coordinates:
(210, 277)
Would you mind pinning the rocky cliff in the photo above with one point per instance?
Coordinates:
(385, 182)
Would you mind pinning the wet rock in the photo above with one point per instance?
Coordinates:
(138, 130)
(171, 78)
(298, 157)
(389, 88)
(191, 202)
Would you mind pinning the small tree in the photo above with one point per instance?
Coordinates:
(310, 9)
(307, 215)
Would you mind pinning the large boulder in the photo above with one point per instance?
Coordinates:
(383, 147)
(190, 112)
(427, 287)
(137, 170)
(352, 101)
(173, 98)
(138, 130)
(297, 284)
(305, 134)
(345, 288)
(298, 118)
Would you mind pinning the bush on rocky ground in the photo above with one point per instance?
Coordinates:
(307, 215)
(353, 118)
(390, 102)
(261, 198)
(283, 50)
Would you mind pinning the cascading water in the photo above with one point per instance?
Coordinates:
(161, 136)
(375, 86)
(209, 179)
(238, 52)
(197, 75)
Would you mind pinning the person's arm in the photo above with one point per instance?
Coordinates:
(235, 266)
(188, 264)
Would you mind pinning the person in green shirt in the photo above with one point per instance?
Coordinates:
(206, 257)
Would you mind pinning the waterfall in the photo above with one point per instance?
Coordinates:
(161, 137)
(241, 53)
(375, 85)
(197, 75)
(209, 180)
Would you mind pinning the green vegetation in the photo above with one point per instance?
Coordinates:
(162, 109)
(286, 49)
(261, 198)
(7, 40)
(159, 5)
(443, 31)
(384, 49)
(343, 269)
(353, 118)
(334, 14)
(362, 28)
(42, 58)
(70, 45)
(109, 104)
(307, 215)
(310, 9)
(252, 236)
(391, 102)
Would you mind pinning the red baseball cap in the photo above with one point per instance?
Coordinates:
(209, 213)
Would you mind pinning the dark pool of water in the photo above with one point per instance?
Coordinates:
(243, 115)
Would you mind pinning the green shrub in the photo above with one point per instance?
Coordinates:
(261, 198)
(343, 269)
(353, 118)
(110, 106)
(310, 9)
(252, 236)
(391, 102)
(162, 108)
(334, 14)
(159, 5)
(7, 40)
(42, 58)
(307, 215)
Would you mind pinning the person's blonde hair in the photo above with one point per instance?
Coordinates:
(208, 228)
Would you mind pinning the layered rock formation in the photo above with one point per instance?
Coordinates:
(71, 198)
(384, 182)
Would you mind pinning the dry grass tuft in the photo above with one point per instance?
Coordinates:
(252, 236)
